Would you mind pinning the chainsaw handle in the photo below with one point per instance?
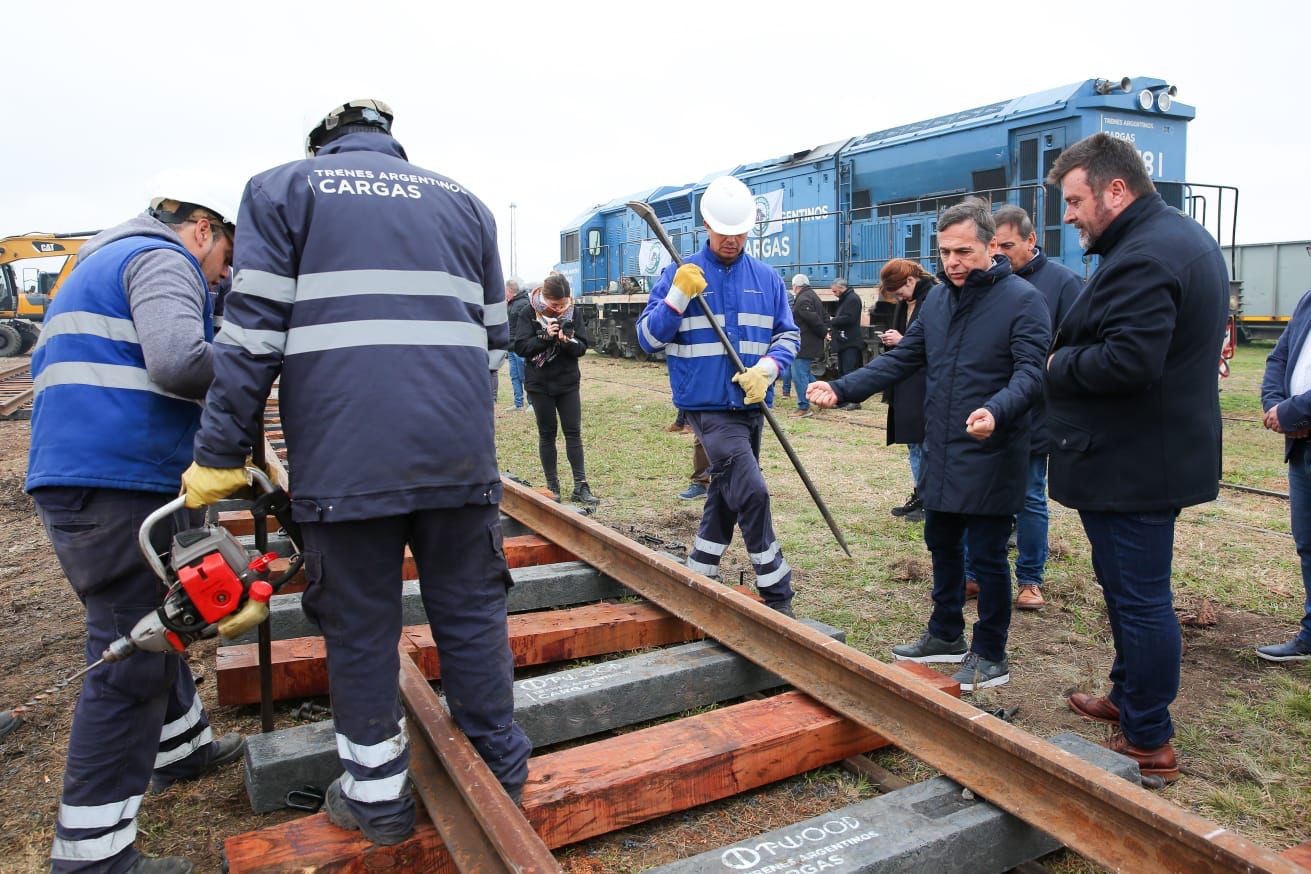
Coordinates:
(143, 536)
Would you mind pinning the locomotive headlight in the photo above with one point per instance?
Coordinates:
(1145, 99)
(1163, 101)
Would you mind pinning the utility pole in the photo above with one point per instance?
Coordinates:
(514, 253)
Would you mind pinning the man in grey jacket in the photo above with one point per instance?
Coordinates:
(121, 363)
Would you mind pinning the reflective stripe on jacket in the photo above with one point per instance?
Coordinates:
(373, 289)
(98, 420)
(751, 305)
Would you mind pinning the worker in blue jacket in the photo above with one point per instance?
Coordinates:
(749, 301)
(123, 361)
(373, 288)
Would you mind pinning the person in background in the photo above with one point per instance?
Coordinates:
(551, 342)
(1134, 412)
(812, 322)
(516, 301)
(844, 328)
(909, 282)
(1286, 398)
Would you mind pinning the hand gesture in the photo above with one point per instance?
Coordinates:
(821, 394)
(980, 424)
(890, 338)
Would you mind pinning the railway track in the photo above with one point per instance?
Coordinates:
(843, 703)
(16, 390)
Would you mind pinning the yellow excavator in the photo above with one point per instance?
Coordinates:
(22, 299)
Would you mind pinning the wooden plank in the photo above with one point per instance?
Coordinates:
(1301, 855)
(524, 550)
(589, 790)
(300, 667)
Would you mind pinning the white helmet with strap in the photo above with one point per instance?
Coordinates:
(728, 206)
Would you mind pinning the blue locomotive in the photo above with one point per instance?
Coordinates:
(846, 208)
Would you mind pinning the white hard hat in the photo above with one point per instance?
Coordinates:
(177, 192)
(728, 206)
(801, 279)
(365, 111)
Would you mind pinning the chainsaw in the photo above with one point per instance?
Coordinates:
(215, 584)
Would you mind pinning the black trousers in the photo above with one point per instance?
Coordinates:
(134, 717)
(555, 412)
(354, 594)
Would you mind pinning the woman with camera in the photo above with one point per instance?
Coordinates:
(551, 344)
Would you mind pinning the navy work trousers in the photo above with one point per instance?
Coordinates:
(137, 716)
(945, 535)
(1131, 555)
(354, 594)
(738, 495)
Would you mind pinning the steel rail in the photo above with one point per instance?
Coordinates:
(1100, 816)
(483, 830)
(16, 402)
(14, 369)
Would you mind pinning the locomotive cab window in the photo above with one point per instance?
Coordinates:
(594, 242)
(569, 247)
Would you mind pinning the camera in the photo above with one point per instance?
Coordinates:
(567, 328)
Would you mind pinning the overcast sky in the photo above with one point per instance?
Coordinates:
(556, 107)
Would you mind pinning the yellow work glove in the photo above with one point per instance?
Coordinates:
(756, 380)
(205, 485)
(689, 281)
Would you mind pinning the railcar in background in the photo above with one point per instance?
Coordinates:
(844, 209)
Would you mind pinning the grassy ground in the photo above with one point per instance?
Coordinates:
(1242, 725)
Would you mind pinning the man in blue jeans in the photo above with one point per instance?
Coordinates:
(812, 321)
(1286, 399)
(516, 301)
(1134, 414)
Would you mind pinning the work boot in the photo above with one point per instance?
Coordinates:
(913, 505)
(162, 865)
(583, 495)
(553, 486)
(1159, 762)
(976, 672)
(1097, 709)
(929, 649)
(339, 814)
(849, 406)
(226, 749)
(1029, 598)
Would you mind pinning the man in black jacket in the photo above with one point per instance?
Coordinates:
(981, 337)
(845, 330)
(812, 321)
(1059, 286)
(1135, 420)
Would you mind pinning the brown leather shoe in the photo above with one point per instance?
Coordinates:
(1029, 598)
(1094, 708)
(1159, 762)
(971, 589)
